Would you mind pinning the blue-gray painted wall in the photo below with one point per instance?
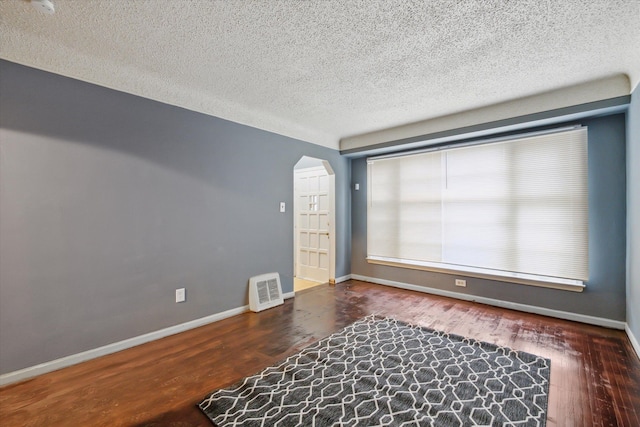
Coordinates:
(109, 202)
(604, 295)
(633, 214)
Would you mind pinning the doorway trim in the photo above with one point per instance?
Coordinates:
(332, 216)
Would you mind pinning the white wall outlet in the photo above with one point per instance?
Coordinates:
(283, 207)
(181, 295)
(460, 282)
(357, 186)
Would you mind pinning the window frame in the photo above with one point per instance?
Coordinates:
(574, 285)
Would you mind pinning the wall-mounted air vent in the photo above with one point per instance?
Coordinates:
(265, 291)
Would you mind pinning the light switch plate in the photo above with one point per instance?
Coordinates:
(283, 207)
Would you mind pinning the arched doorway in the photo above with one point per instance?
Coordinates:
(314, 223)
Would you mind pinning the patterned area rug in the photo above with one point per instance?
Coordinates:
(385, 372)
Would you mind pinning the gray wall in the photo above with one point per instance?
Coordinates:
(633, 214)
(109, 202)
(604, 295)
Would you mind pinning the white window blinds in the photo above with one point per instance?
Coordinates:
(514, 207)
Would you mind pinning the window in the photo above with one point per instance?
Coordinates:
(513, 210)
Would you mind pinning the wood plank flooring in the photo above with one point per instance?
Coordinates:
(595, 374)
(302, 284)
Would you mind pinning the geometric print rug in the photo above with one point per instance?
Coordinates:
(384, 372)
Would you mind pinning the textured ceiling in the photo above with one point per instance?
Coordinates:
(323, 70)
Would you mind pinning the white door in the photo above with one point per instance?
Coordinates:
(312, 224)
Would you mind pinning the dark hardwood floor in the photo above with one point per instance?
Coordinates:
(595, 374)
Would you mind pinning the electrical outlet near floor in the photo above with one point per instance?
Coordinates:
(461, 282)
(181, 295)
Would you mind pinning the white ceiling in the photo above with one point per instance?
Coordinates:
(324, 70)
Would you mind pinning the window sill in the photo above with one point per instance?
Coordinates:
(483, 273)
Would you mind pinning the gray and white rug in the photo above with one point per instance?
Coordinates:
(381, 372)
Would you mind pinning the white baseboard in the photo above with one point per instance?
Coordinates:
(633, 339)
(343, 279)
(592, 320)
(74, 359)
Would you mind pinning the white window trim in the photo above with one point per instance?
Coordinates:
(457, 144)
(560, 283)
(483, 273)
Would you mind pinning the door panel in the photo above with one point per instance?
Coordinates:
(312, 224)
